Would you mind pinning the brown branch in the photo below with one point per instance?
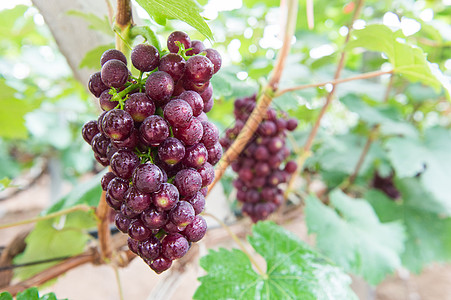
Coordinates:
(333, 82)
(264, 100)
(124, 21)
(103, 228)
(308, 144)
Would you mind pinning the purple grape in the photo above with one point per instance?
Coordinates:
(262, 169)
(204, 191)
(196, 230)
(182, 214)
(96, 85)
(275, 144)
(191, 134)
(267, 128)
(128, 212)
(100, 121)
(154, 219)
(117, 124)
(196, 156)
(159, 87)
(99, 144)
(166, 197)
(209, 105)
(106, 179)
(138, 231)
(160, 264)
(105, 102)
(145, 57)
(197, 201)
(137, 200)
(112, 54)
(170, 227)
(89, 130)
(207, 173)
(171, 151)
(174, 246)
(147, 178)
(292, 124)
(129, 143)
(194, 100)
(139, 106)
(252, 196)
(198, 87)
(214, 56)
(122, 222)
(291, 167)
(123, 163)
(207, 94)
(150, 248)
(210, 134)
(117, 188)
(178, 113)
(198, 69)
(178, 89)
(188, 182)
(197, 47)
(114, 73)
(203, 117)
(261, 153)
(111, 149)
(178, 36)
(214, 153)
(113, 203)
(133, 245)
(173, 64)
(154, 130)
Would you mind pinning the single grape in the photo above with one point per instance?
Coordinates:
(112, 54)
(291, 167)
(96, 85)
(182, 214)
(99, 122)
(166, 197)
(262, 169)
(99, 144)
(197, 201)
(129, 143)
(214, 153)
(153, 130)
(123, 163)
(137, 200)
(261, 153)
(173, 64)
(117, 188)
(147, 178)
(292, 124)
(196, 156)
(207, 173)
(150, 248)
(113, 203)
(188, 182)
(117, 124)
(196, 230)
(198, 69)
(267, 128)
(145, 57)
(174, 246)
(197, 47)
(178, 113)
(154, 219)
(194, 100)
(191, 134)
(122, 222)
(210, 134)
(178, 36)
(106, 179)
(159, 87)
(203, 117)
(160, 264)
(104, 101)
(133, 245)
(139, 106)
(89, 130)
(128, 212)
(214, 56)
(114, 73)
(209, 105)
(204, 191)
(198, 87)
(207, 93)
(170, 227)
(138, 231)
(171, 151)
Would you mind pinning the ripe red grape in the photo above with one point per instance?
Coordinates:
(114, 73)
(145, 57)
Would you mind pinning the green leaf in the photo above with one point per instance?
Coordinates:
(430, 157)
(294, 271)
(428, 234)
(92, 57)
(222, 86)
(352, 236)
(6, 296)
(12, 123)
(183, 10)
(28, 294)
(5, 183)
(96, 23)
(407, 60)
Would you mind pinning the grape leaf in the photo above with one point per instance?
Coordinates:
(294, 271)
(92, 57)
(95, 22)
(6, 296)
(407, 60)
(428, 233)
(12, 123)
(352, 236)
(183, 10)
(430, 157)
(29, 294)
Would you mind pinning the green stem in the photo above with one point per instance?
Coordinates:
(146, 33)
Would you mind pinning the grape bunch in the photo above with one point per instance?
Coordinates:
(156, 138)
(259, 166)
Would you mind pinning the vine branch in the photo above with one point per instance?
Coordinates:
(103, 228)
(264, 100)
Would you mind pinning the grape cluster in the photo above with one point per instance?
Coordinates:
(259, 166)
(156, 138)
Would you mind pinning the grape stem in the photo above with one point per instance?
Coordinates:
(308, 144)
(265, 98)
(81, 207)
(147, 34)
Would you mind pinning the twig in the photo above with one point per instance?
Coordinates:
(237, 241)
(118, 281)
(123, 22)
(333, 82)
(264, 99)
(82, 207)
(330, 96)
(103, 228)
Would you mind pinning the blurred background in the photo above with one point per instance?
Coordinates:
(48, 49)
